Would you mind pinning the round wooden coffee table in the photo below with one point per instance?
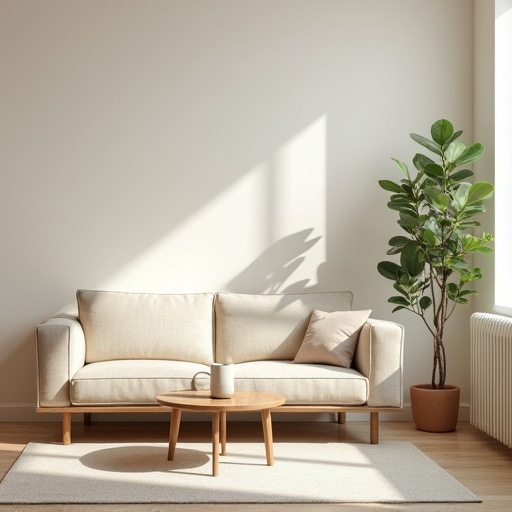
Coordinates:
(201, 401)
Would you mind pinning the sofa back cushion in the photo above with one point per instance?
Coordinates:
(146, 326)
(266, 327)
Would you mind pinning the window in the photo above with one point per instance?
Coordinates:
(503, 156)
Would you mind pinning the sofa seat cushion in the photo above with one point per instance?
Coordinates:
(130, 382)
(304, 384)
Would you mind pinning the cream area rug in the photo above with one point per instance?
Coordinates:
(390, 472)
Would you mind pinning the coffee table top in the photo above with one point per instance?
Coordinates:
(202, 401)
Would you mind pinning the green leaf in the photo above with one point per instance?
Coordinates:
(471, 211)
(399, 300)
(400, 289)
(459, 265)
(430, 238)
(399, 205)
(398, 308)
(479, 191)
(434, 171)
(426, 143)
(393, 251)
(407, 188)
(484, 250)
(441, 131)
(453, 291)
(399, 241)
(455, 136)
(420, 161)
(454, 151)
(402, 167)
(404, 279)
(401, 199)
(390, 186)
(470, 243)
(425, 302)
(461, 196)
(437, 198)
(474, 244)
(470, 154)
(412, 259)
(463, 293)
(470, 224)
(408, 221)
(476, 274)
(431, 224)
(461, 175)
(390, 270)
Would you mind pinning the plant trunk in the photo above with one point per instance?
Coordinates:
(439, 366)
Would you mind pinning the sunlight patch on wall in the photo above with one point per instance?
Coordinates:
(263, 233)
(299, 197)
(210, 244)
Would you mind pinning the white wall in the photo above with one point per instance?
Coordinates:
(181, 146)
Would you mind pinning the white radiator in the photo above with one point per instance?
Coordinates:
(491, 375)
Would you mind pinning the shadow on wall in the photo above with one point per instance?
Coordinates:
(275, 266)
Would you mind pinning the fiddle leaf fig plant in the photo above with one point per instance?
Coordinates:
(436, 209)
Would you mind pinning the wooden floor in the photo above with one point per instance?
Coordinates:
(479, 462)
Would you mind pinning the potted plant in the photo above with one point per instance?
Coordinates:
(436, 209)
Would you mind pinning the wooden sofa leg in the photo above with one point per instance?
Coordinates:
(342, 418)
(66, 428)
(374, 428)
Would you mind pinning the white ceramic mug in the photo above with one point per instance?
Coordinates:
(222, 380)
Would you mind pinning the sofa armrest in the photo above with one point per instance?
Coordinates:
(379, 357)
(60, 346)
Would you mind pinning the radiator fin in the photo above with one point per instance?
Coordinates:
(491, 375)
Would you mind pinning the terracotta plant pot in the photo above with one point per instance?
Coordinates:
(435, 410)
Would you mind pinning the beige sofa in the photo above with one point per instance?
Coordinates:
(123, 349)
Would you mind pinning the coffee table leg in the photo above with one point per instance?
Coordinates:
(215, 442)
(267, 434)
(173, 432)
(223, 427)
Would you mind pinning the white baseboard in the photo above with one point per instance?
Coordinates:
(27, 413)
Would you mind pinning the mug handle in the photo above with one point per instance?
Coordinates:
(194, 387)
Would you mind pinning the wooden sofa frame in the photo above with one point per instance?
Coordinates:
(341, 412)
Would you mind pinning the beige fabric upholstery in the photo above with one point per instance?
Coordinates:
(303, 384)
(379, 357)
(138, 382)
(268, 327)
(331, 338)
(147, 326)
(130, 382)
(60, 353)
(262, 333)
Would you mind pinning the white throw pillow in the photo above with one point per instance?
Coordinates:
(331, 338)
